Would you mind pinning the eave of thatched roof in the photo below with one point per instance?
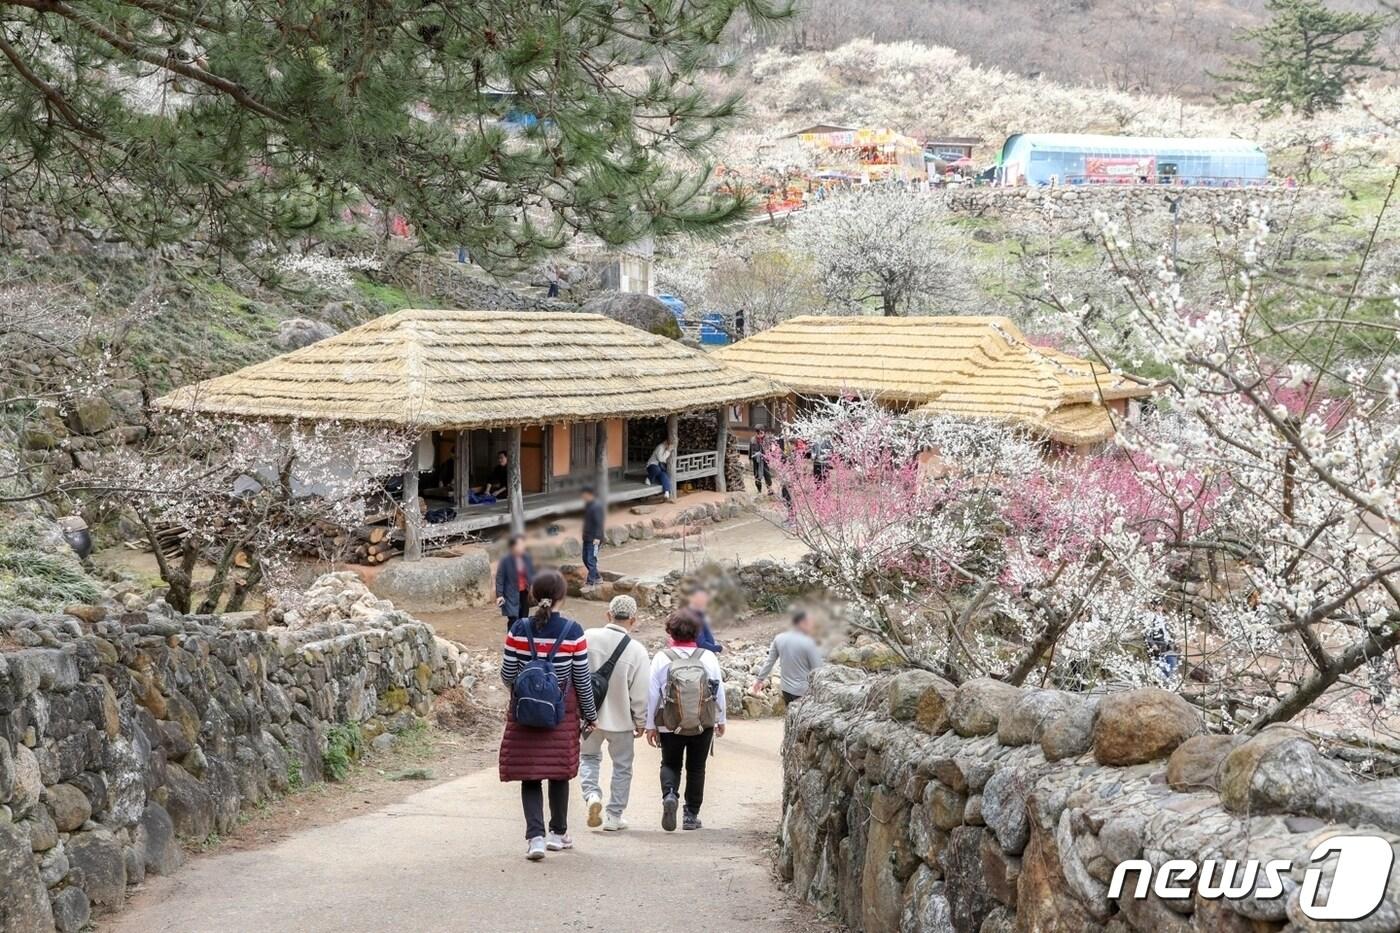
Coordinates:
(446, 369)
(971, 366)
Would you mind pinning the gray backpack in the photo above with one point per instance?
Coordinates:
(689, 705)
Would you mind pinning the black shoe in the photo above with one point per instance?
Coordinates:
(668, 812)
(690, 821)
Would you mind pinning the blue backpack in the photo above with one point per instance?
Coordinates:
(538, 695)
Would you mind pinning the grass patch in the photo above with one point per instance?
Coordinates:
(344, 745)
(41, 580)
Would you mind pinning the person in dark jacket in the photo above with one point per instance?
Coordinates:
(593, 519)
(514, 574)
(699, 603)
(534, 756)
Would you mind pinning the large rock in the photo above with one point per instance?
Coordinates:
(979, 704)
(1070, 733)
(922, 698)
(1023, 723)
(926, 908)
(69, 806)
(889, 862)
(297, 332)
(969, 902)
(98, 855)
(24, 903)
(162, 851)
(1142, 725)
(188, 802)
(28, 782)
(7, 771)
(645, 312)
(437, 583)
(1004, 808)
(71, 910)
(1279, 770)
(1195, 765)
(91, 415)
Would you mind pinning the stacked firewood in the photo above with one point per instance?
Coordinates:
(367, 544)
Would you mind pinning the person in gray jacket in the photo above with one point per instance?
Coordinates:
(797, 651)
(621, 713)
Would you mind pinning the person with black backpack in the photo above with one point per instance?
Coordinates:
(685, 712)
(620, 672)
(545, 666)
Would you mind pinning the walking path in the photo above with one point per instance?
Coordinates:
(451, 859)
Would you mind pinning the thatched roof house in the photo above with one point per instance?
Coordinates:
(981, 367)
(569, 399)
(446, 369)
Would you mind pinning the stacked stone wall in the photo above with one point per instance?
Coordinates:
(123, 733)
(1077, 205)
(912, 805)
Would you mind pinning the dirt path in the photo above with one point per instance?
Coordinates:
(451, 858)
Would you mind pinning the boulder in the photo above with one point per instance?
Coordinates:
(98, 855)
(979, 704)
(922, 698)
(1022, 725)
(437, 583)
(1136, 726)
(7, 771)
(1279, 770)
(25, 906)
(162, 852)
(645, 312)
(69, 806)
(969, 902)
(188, 803)
(43, 834)
(28, 782)
(1070, 733)
(926, 908)
(71, 910)
(1195, 765)
(90, 415)
(297, 332)
(1004, 808)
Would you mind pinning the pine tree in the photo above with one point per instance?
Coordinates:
(1308, 55)
(500, 125)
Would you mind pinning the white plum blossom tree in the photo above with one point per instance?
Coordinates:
(883, 245)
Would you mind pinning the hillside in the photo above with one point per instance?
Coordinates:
(1161, 47)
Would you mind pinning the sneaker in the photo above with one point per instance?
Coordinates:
(534, 850)
(690, 821)
(556, 843)
(595, 811)
(614, 824)
(669, 803)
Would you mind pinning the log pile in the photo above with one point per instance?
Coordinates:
(368, 544)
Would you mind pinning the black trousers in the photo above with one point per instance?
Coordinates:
(790, 698)
(532, 799)
(524, 609)
(690, 752)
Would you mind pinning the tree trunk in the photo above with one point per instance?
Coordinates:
(673, 423)
(517, 492)
(722, 451)
(243, 587)
(215, 590)
(412, 517)
(888, 302)
(600, 450)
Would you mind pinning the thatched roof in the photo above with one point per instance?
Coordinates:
(973, 366)
(445, 369)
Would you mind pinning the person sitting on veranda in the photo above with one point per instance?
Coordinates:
(659, 466)
(499, 483)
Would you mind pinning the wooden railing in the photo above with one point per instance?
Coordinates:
(694, 466)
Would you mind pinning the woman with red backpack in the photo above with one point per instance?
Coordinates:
(685, 711)
(545, 665)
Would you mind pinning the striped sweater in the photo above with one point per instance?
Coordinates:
(570, 664)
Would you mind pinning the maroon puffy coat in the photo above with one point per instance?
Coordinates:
(542, 754)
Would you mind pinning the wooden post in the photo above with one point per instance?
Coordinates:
(722, 447)
(673, 423)
(462, 472)
(517, 491)
(412, 518)
(600, 444)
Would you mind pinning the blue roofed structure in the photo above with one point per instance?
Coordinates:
(1088, 159)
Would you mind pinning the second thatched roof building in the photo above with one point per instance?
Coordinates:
(977, 367)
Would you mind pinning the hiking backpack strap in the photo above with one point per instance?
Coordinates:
(531, 639)
(672, 653)
(606, 670)
(555, 648)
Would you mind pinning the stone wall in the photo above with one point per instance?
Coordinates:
(124, 732)
(1076, 205)
(912, 805)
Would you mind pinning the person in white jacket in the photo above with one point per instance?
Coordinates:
(621, 714)
(688, 752)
